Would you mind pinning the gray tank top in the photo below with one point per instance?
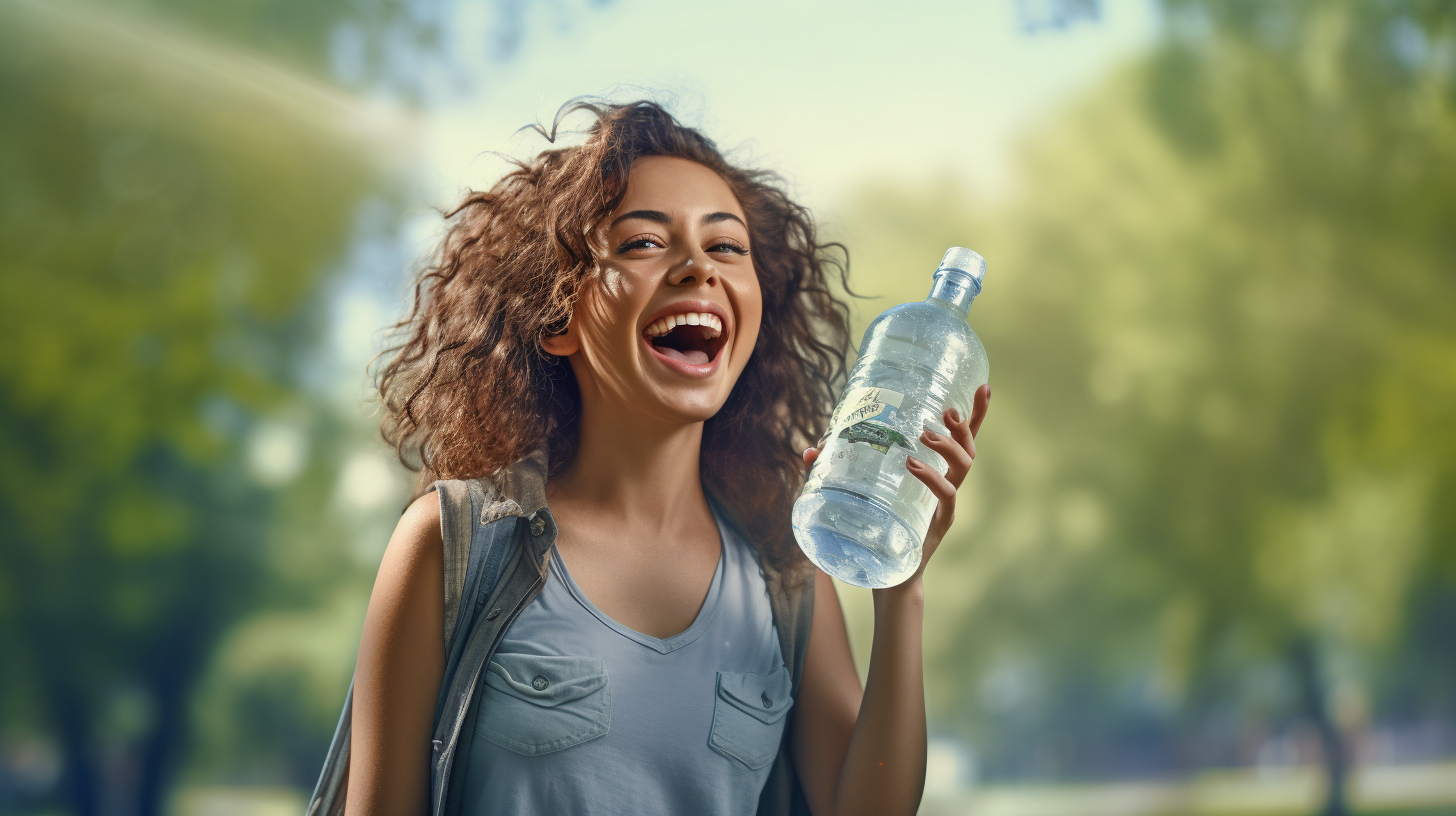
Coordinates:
(580, 714)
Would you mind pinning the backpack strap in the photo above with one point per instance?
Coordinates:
(455, 523)
(474, 559)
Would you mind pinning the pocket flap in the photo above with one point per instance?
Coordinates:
(765, 697)
(546, 680)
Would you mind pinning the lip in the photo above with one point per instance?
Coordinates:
(680, 307)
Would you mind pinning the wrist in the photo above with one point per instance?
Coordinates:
(909, 595)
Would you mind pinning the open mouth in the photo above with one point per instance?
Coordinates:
(694, 338)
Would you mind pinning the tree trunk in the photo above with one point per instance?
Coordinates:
(156, 754)
(1305, 656)
(80, 782)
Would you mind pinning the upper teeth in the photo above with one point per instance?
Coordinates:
(706, 319)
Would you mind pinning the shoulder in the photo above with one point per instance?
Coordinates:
(422, 517)
(415, 554)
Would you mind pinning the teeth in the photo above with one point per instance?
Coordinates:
(664, 325)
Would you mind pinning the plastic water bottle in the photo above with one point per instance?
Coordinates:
(862, 515)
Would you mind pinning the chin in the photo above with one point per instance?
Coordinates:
(690, 404)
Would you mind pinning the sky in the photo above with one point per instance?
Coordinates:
(827, 94)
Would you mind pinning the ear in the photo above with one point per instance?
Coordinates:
(562, 345)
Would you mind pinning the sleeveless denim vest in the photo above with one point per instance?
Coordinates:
(497, 535)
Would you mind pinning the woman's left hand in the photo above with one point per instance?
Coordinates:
(959, 451)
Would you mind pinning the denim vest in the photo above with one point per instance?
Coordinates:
(497, 535)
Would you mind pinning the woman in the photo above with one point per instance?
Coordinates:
(633, 335)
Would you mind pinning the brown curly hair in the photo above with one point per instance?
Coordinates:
(469, 390)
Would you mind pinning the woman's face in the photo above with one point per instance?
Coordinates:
(667, 329)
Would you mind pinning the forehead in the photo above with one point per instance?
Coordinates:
(677, 186)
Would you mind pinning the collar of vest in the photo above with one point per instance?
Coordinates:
(519, 490)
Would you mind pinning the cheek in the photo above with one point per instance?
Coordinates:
(750, 312)
(612, 284)
(604, 316)
(595, 318)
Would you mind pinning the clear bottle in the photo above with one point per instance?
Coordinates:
(862, 515)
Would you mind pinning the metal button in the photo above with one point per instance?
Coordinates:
(538, 526)
(767, 700)
(493, 614)
(540, 683)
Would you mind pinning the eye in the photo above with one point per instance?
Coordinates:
(640, 242)
(728, 245)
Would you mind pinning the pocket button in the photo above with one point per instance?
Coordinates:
(540, 683)
(767, 700)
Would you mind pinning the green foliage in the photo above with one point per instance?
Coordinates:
(1219, 318)
(166, 216)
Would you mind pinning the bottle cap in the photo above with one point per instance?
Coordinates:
(964, 260)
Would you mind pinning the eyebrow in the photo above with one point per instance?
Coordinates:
(663, 218)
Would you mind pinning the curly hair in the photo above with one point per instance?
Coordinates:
(469, 390)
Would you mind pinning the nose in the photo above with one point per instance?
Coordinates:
(697, 267)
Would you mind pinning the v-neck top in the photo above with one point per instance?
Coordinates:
(579, 713)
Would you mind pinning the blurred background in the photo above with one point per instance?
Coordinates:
(1206, 563)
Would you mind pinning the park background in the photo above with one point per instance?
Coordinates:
(1206, 562)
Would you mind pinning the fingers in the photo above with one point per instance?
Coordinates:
(942, 489)
(979, 406)
(965, 439)
(810, 454)
(958, 450)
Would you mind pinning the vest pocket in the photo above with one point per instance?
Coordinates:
(748, 715)
(536, 704)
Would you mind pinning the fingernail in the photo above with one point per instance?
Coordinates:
(931, 435)
(955, 416)
(915, 463)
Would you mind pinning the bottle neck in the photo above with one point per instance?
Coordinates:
(955, 288)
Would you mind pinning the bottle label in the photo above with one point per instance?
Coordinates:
(869, 416)
(865, 441)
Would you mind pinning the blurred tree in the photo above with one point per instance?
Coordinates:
(176, 184)
(1226, 355)
(167, 209)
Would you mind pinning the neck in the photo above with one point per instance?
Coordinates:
(641, 474)
(955, 288)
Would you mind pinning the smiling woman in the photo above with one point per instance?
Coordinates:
(605, 377)
(476, 383)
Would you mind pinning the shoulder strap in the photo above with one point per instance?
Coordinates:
(474, 560)
(455, 524)
(793, 612)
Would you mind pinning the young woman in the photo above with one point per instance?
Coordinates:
(628, 339)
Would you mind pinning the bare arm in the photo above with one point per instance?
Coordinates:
(862, 752)
(397, 680)
(865, 754)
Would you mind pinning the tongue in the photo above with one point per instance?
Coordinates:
(692, 356)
